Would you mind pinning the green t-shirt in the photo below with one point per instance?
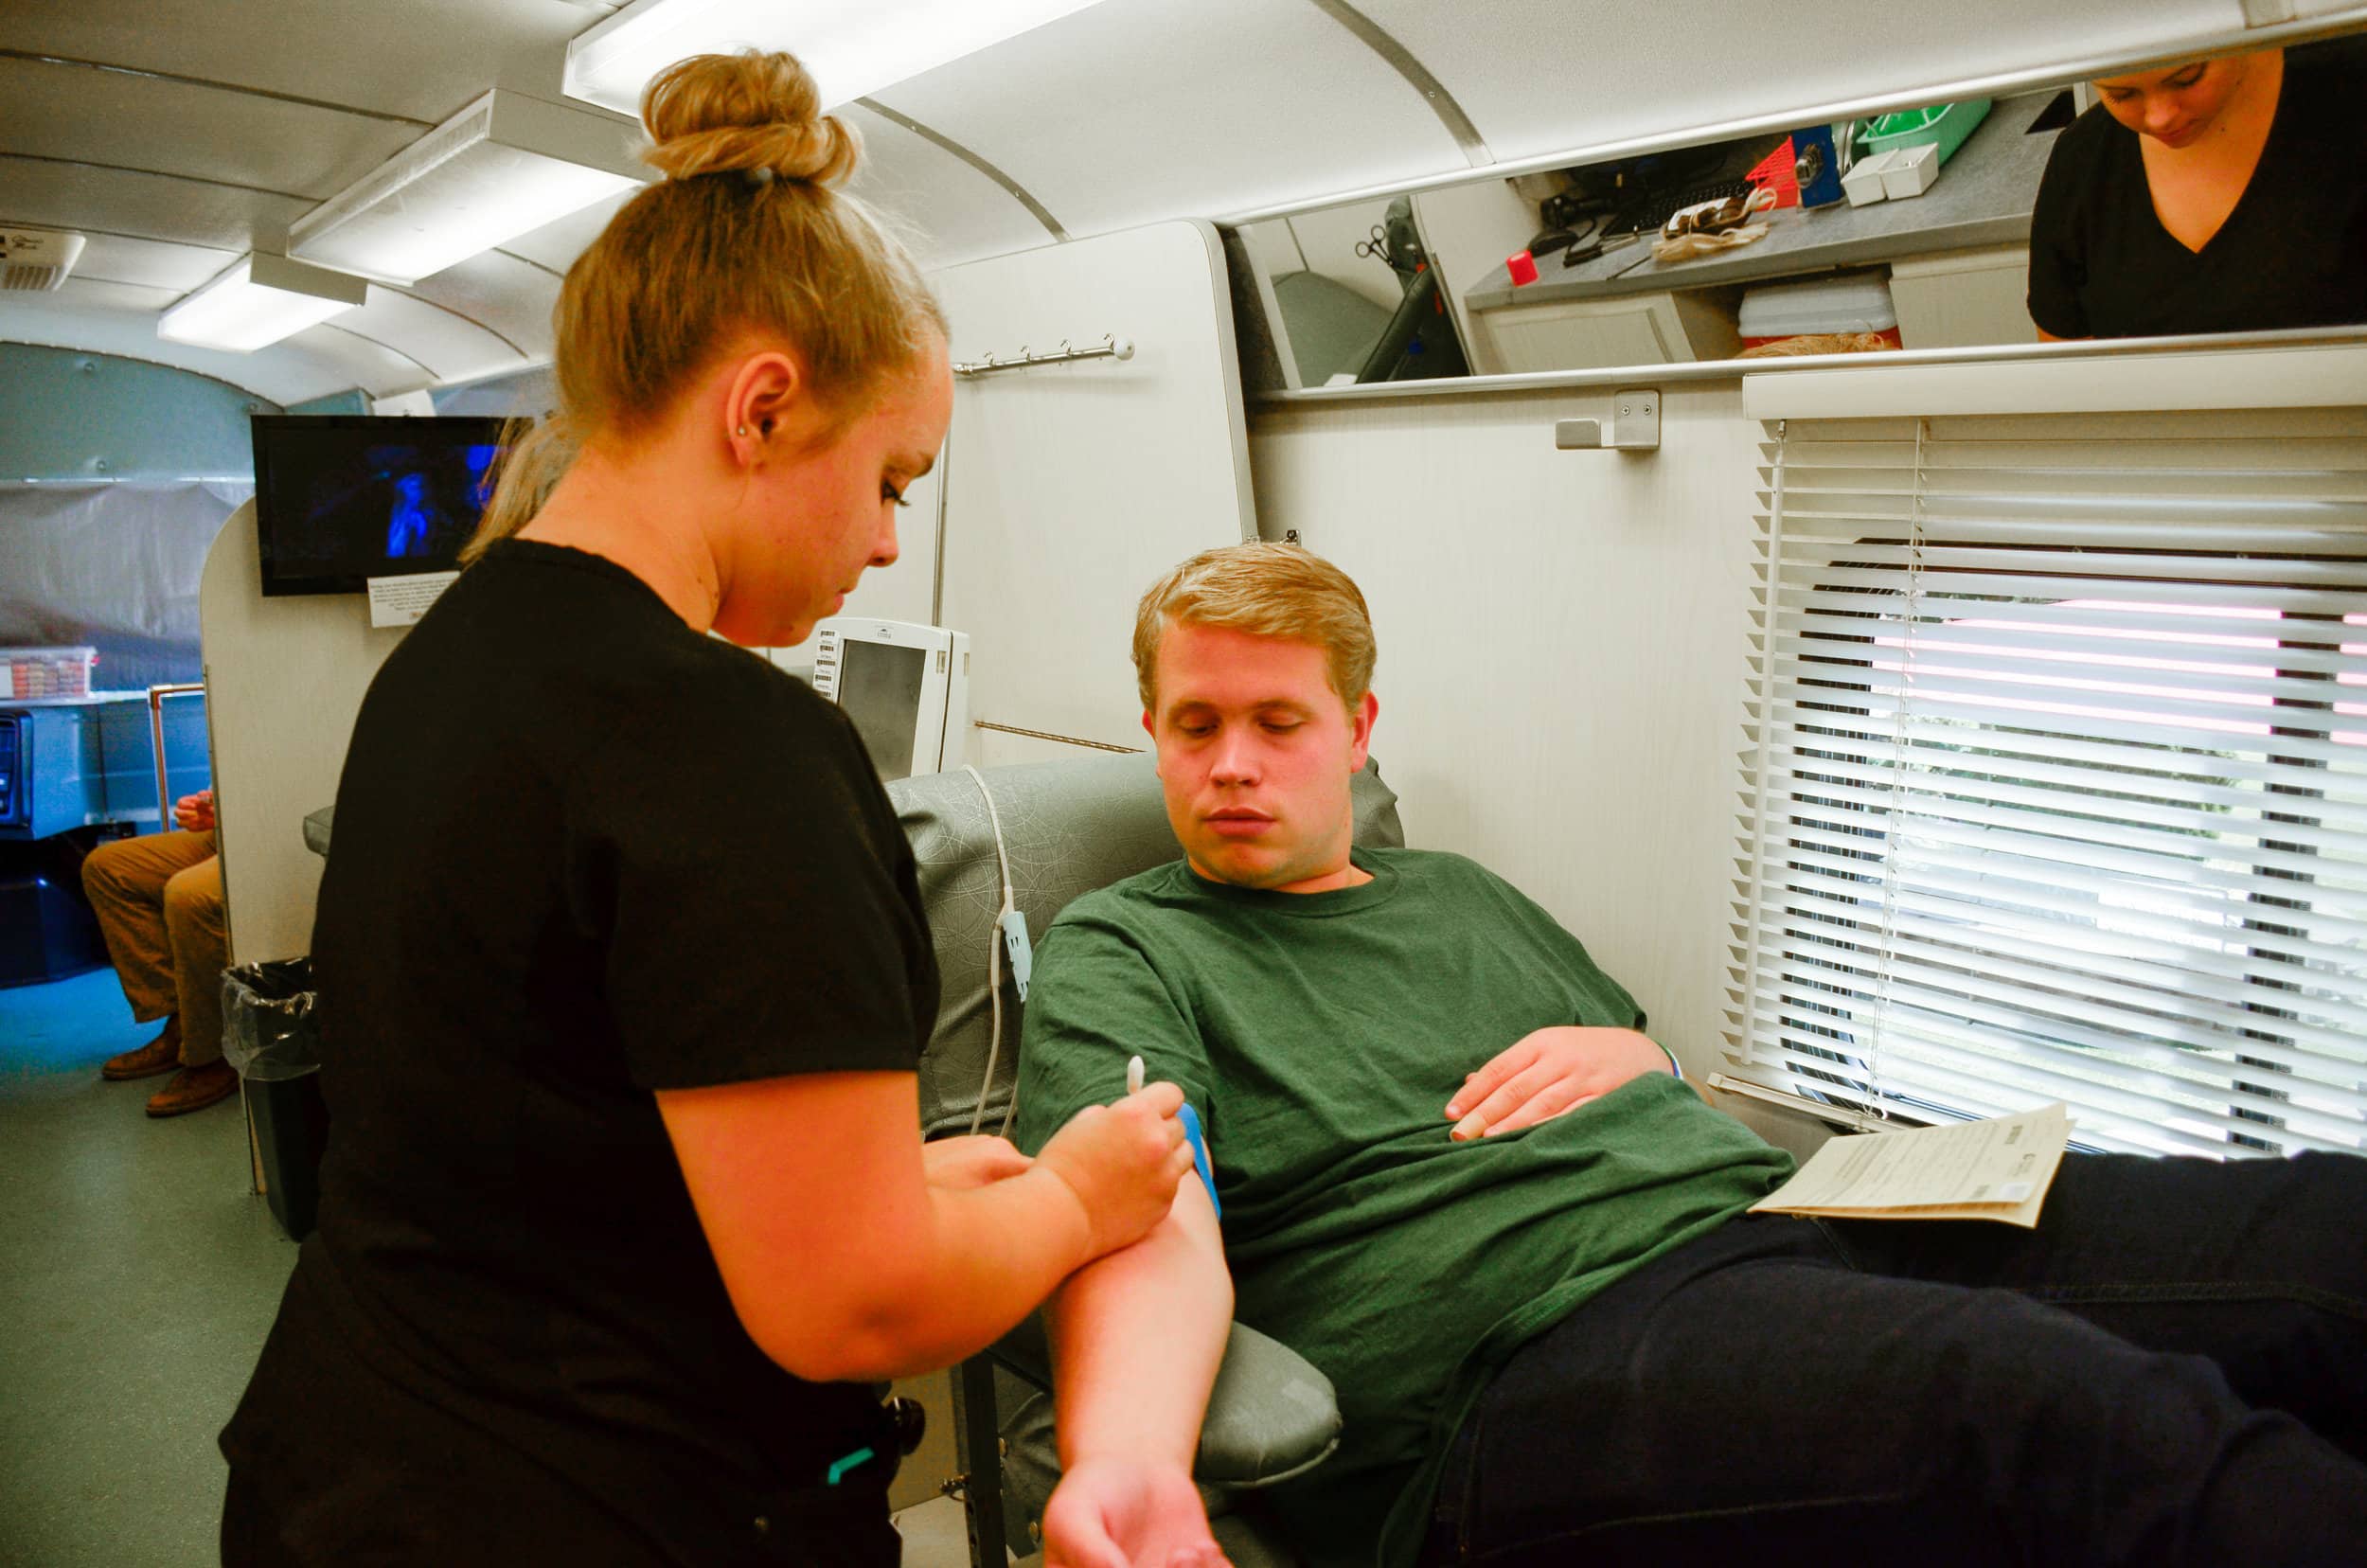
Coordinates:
(1320, 1036)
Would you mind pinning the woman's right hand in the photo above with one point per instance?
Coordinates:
(1123, 1162)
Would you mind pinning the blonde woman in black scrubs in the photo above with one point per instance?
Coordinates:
(623, 971)
(2219, 195)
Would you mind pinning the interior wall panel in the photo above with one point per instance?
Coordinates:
(119, 260)
(286, 373)
(422, 58)
(449, 343)
(61, 195)
(1542, 76)
(950, 212)
(1133, 110)
(179, 127)
(501, 293)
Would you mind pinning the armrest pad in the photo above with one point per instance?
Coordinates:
(1271, 1415)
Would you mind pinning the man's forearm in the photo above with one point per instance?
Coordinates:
(1136, 1338)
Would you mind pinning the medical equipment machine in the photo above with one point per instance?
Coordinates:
(906, 687)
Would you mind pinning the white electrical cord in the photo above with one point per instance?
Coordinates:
(995, 965)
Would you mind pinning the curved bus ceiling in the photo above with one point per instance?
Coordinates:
(180, 133)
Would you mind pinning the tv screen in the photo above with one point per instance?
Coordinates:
(341, 499)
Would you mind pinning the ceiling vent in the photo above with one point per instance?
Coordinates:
(37, 259)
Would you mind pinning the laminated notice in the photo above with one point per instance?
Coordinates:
(1995, 1169)
(401, 600)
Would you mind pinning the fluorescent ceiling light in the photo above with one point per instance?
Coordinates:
(851, 47)
(257, 301)
(503, 166)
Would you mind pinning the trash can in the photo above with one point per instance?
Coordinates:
(270, 1034)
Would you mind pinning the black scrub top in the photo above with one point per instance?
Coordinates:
(583, 854)
(2293, 252)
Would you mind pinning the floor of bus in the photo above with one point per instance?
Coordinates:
(138, 1275)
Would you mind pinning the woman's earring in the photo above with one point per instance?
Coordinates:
(742, 431)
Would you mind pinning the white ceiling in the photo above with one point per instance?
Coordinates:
(222, 120)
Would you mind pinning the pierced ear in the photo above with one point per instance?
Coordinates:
(762, 391)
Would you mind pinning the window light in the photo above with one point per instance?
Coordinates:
(851, 47)
(503, 166)
(258, 300)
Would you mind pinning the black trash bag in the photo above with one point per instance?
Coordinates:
(269, 1030)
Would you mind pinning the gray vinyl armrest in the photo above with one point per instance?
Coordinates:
(1271, 1415)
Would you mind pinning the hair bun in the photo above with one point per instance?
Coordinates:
(719, 114)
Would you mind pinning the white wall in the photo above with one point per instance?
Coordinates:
(1562, 642)
(284, 678)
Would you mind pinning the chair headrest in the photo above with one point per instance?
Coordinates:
(1068, 827)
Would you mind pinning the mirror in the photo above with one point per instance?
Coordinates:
(1911, 229)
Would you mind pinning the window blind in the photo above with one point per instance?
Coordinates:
(2055, 785)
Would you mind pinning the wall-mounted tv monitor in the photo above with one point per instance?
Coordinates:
(340, 499)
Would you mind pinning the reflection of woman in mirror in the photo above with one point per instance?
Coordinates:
(2221, 195)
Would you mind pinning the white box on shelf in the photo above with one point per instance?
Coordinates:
(1910, 171)
(1861, 182)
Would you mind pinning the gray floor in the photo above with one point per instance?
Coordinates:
(138, 1276)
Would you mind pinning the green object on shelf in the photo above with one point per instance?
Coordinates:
(1944, 126)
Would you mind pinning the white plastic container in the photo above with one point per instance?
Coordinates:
(1911, 171)
(1865, 181)
(1855, 302)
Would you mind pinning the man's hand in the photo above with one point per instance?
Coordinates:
(194, 812)
(1548, 1071)
(975, 1161)
(1127, 1513)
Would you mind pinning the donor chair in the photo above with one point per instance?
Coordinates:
(1033, 837)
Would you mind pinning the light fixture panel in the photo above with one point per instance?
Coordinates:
(852, 47)
(504, 165)
(258, 301)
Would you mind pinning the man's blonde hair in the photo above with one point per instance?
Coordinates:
(1267, 591)
(747, 233)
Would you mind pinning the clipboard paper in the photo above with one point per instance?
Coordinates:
(1996, 1169)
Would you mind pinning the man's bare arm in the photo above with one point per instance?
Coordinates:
(1136, 1337)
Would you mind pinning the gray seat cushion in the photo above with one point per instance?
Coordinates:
(1068, 827)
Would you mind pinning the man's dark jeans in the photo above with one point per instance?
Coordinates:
(2171, 1369)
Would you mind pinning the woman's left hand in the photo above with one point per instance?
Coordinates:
(973, 1161)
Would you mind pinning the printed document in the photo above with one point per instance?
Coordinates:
(1996, 1169)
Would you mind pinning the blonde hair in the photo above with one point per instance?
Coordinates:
(746, 233)
(1269, 591)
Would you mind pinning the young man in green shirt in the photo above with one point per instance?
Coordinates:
(1457, 1178)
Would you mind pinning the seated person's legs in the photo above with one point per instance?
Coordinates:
(200, 934)
(2253, 1263)
(1751, 1394)
(125, 881)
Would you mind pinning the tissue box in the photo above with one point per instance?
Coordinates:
(1909, 171)
(1863, 182)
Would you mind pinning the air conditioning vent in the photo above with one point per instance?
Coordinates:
(37, 259)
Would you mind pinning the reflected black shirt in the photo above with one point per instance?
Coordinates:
(2293, 252)
(583, 854)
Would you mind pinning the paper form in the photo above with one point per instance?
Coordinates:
(1996, 1169)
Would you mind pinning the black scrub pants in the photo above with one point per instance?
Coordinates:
(2172, 1368)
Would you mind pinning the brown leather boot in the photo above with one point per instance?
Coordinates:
(160, 1055)
(194, 1089)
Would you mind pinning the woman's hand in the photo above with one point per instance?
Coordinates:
(1548, 1071)
(972, 1161)
(194, 812)
(1127, 1513)
(1122, 1162)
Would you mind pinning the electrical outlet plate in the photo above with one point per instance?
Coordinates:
(1634, 425)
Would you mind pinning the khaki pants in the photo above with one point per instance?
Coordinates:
(159, 902)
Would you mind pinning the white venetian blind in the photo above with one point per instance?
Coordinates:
(2056, 776)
